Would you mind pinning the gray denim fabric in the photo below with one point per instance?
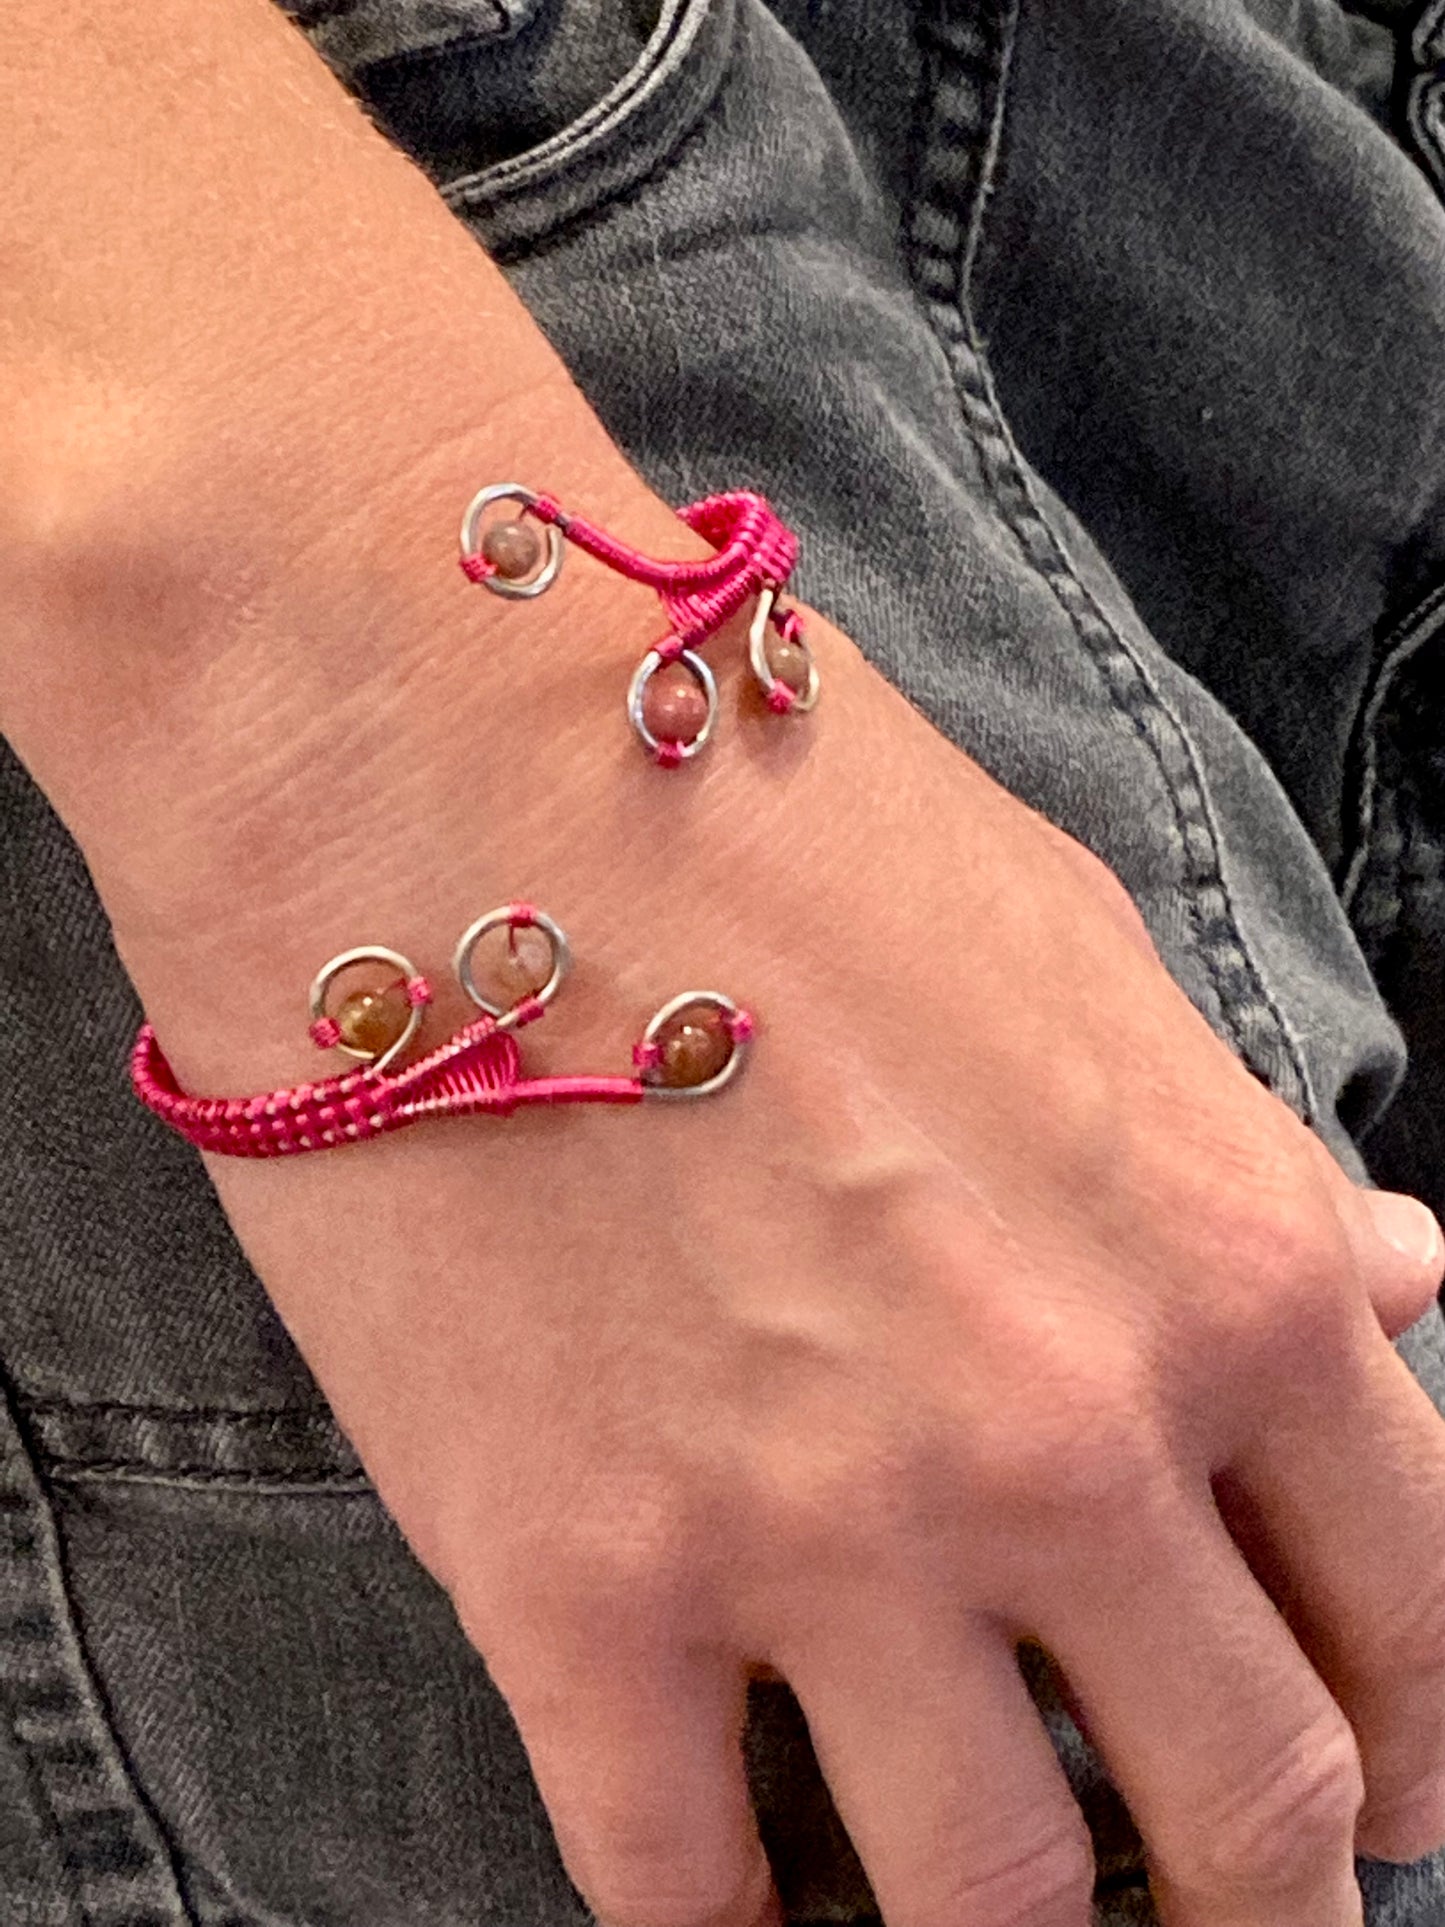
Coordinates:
(1097, 351)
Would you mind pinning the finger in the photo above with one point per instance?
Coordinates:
(940, 1768)
(1401, 1255)
(1341, 1510)
(1239, 1770)
(642, 1774)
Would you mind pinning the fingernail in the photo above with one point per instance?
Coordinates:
(1408, 1225)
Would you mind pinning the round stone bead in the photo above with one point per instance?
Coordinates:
(790, 663)
(522, 964)
(514, 549)
(372, 1020)
(674, 704)
(693, 1046)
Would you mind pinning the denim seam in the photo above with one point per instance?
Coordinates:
(1427, 43)
(1378, 906)
(670, 91)
(1401, 644)
(557, 230)
(284, 1449)
(945, 220)
(207, 1478)
(1386, 874)
(231, 1415)
(1423, 67)
(1425, 116)
(113, 1849)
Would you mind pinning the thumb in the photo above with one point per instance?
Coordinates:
(1403, 1262)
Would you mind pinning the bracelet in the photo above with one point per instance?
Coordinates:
(694, 1045)
(672, 699)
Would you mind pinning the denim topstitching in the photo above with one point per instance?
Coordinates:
(115, 1856)
(290, 1449)
(958, 149)
(1368, 858)
(655, 106)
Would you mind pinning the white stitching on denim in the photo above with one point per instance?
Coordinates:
(954, 172)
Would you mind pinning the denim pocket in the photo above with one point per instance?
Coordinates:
(615, 143)
(229, 1696)
(536, 118)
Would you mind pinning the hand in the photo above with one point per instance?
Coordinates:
(997, 1301)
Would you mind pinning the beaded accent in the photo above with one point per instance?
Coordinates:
(692, 1047)
(672, 697)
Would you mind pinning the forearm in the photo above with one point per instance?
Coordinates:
(242, 339)
(253, 369)
(214, 265)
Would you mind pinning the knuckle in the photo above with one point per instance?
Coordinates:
(1287, 1244)
(605, 1598)
(1293, 1821)
(1046, 1883)
(1278, 1279)
(1018, 1460)
(818, 1510)
(584, 1592)
(626, 1559)
(1089, 1447)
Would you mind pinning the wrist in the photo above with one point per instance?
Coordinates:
(658, 891)
(378, 752)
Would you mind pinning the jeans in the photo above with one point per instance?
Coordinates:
(1097, 352)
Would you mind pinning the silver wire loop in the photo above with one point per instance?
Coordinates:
(506, 918)
(736, 1056)
(637, 692)
(471, 525)
(803, 700)
(367, 953)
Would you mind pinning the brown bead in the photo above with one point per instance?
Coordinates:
(674, 704)
(514, 549)
(790, 663)
(372, 1020)
(693, 1046)
(523, 965)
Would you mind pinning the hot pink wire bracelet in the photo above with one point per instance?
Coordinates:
(694, 1045)
(672, 699)
(697, 1042)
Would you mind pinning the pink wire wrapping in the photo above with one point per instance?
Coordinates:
(477, 1070)
(755, 550)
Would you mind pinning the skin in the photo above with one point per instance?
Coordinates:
(998, 1301)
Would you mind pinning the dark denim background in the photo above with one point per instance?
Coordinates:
(1096, 351)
